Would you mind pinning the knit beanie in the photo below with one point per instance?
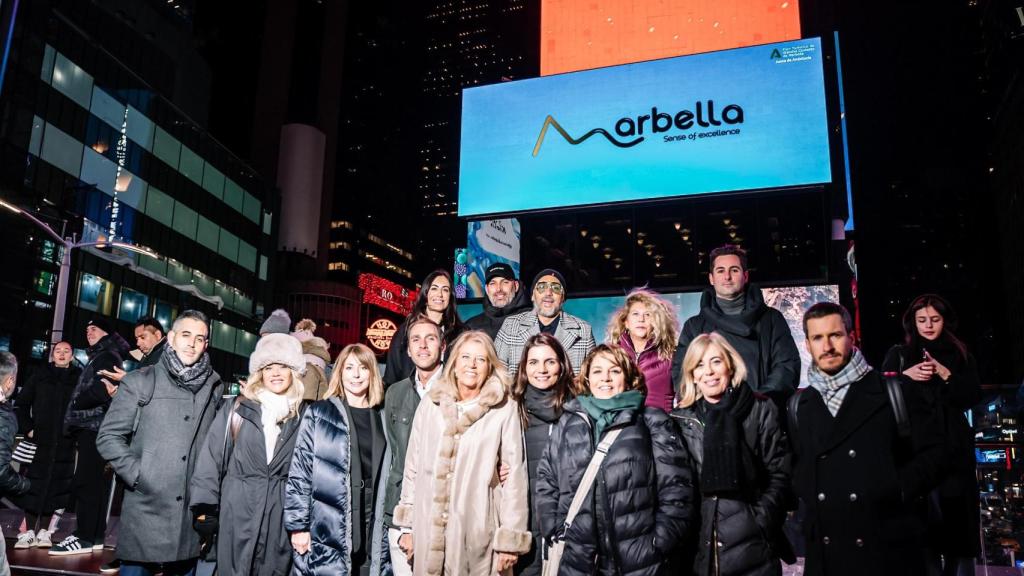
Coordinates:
(277, 323)
(549, 272)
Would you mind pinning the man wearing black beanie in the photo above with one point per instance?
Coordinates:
(548, 293)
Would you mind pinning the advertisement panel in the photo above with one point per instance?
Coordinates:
(742, 119)
(487, 242)
(583, 34)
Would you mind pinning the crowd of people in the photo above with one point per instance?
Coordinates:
(513, 442)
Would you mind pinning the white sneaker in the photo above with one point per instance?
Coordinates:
(26, 540)
(43, 539)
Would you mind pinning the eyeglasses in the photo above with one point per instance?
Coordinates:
(555, 287)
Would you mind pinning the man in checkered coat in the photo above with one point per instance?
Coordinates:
(548, 293)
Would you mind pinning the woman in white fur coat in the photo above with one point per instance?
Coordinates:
(462, 520)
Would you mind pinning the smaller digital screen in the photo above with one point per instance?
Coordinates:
(990, 456)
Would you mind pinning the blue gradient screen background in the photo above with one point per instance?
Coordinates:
(783, 140)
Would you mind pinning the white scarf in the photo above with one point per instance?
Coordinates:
(273, 409)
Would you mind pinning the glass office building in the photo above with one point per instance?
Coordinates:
(90, 146)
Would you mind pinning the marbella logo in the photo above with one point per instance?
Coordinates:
(631, 131)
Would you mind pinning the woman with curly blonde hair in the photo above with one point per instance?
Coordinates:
(647, 328)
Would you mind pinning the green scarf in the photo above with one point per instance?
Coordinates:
(603, 412)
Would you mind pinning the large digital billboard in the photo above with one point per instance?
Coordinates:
(742, 119)
(584, 34)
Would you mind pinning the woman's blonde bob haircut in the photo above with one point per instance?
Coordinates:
(689, 391)
(664, 324)
(363, 355)
(495, 367)
(254, 384)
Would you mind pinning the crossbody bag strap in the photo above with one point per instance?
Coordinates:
(590, 475)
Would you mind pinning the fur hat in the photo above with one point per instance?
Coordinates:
(277, 349)
(277, 323)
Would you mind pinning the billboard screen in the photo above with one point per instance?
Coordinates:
(741, 119)
(584, 34)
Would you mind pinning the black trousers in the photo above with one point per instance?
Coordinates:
(91, 487)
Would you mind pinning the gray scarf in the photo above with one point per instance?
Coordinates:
(191, 377)
(833, 388)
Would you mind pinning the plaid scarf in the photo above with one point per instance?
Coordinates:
(833, 388)
(191, 377)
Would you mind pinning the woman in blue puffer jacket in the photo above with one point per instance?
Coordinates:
(334, 497)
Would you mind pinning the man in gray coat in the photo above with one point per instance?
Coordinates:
(152, 436)
(575, 334)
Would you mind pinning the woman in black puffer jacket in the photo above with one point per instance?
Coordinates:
(742, 461)
(543, 384)
(639, 509)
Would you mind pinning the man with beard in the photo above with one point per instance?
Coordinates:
(575, 334)
(736, 310)
(151, 437)
(504, 298)
(864, 463)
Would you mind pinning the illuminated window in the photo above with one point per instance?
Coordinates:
(341, 224)
(95, 293)
(338, 266)
(134, 305)
(340, 245)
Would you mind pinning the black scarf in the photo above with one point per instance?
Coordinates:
(191, 377)
(728, 465)
(541, 403)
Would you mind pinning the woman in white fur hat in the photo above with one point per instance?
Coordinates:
(250, 446)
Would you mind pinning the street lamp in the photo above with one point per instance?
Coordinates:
(57, 331)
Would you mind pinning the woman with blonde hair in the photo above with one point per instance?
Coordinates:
(241, 472)
(334, 498)
(463, 520)
(647, 328)
(742, 464)
(636, 510)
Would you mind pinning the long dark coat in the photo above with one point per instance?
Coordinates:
(747, 532)
(251, 539)
(862, 484)
(540, 424)
(325, 494)
(157, 464)
(760, 334)
(953, 522)
(640, 507)
(40, 407)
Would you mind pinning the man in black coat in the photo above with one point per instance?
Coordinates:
(89, 402)
(152, 437)
(736, 310)
(426, 346)
(861, 478)
(505, 297)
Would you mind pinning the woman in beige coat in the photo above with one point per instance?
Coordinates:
(463, 520)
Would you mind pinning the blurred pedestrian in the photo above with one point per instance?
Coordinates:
(89, 403)
(40, 407)
(11, 483)
(646, 326)
(317, 353)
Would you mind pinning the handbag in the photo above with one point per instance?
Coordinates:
(24, 452)
(553, 559)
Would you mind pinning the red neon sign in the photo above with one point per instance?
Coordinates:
(386, 294)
